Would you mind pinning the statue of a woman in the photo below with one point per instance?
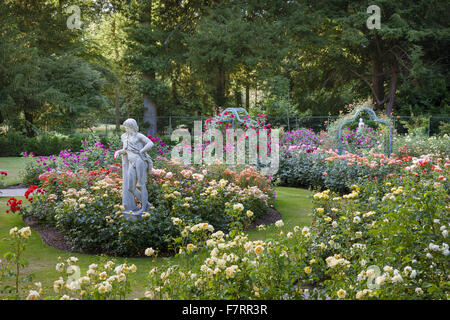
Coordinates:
(360, 125)
(136, 163)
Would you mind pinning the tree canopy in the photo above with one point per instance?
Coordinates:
(150, 58)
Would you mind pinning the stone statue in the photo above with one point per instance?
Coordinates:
(136, 164)
(360, 125)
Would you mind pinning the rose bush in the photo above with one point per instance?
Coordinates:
(85, 205)
(325, 169)
(93, 155)
(386, 239)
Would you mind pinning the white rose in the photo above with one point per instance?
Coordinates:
(25, 232)
(33, 295)
(238, 207)
(279, 223)
(60, 267)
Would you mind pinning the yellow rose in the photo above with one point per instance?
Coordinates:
(259, 250)
(341, 293)
(191, 247)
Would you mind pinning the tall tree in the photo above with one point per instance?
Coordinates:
(382, 58)
(142, 55)
(43, 58)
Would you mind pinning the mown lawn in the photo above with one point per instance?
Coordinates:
(12, 165)
(293, 204)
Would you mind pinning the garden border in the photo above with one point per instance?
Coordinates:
(55, 239)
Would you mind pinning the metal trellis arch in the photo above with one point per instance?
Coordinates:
(375, 118)
(235, 112)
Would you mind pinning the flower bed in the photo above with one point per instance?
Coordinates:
(325, 169)
(92, 156)
(384, 240)
(85, 205)
(302, 139)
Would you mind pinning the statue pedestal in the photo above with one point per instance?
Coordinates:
(132, 216)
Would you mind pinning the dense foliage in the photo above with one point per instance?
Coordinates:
(85, 205)
(386, 239)
(360, 246)
(13, 144)
(311, 161)
(91, 153)
(281, 58)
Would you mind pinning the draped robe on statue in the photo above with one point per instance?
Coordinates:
(132, 144)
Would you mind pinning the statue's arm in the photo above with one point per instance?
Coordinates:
(148, 144)
(119, 152)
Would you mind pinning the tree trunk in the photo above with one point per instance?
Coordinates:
(29, 124)
(174, 88)
(392, 88)
(247, 97)
(116, 51)
(381, 102)
(219, 86)
(377, 82)
(150, 108)
(150, 115)
(117, 110)
(376, 57)
(238, 96)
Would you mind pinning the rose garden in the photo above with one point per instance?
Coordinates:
(347, 199)
(371, 226)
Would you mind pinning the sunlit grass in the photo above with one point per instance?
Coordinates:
(293, 204)
(12, 165)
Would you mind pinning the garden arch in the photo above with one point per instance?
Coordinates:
(236, 112)
(375, 118)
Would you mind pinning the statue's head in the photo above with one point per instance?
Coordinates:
(131, 125)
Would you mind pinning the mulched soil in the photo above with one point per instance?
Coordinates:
(50, 235)
(53, 238)
(270, 217)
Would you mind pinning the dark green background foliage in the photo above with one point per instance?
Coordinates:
(192, 57)
(14, 144)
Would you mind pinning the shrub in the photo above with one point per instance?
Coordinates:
(417, 144)
(386, 239)
(304, 139)
(325, 169)
(85, 205)
(374, 134)
(444, 128)
(93, 155)
(13, 144)
(12, 262)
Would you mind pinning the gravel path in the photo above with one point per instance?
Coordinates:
(12, 192)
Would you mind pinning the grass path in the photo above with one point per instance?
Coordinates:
(293, 204)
